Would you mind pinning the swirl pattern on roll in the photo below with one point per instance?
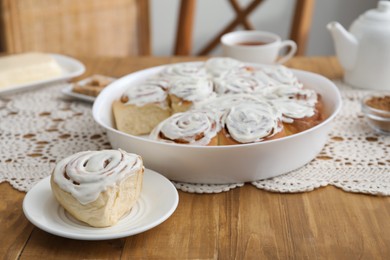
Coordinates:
(243, 81)
(145, 93)
(86, 174)
(184, 70)
(247, 123)
(192, 89)
(192, 127)
(282, 75)
(222, 103)
(218, 66)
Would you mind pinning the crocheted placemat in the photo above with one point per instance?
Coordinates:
(40, 127)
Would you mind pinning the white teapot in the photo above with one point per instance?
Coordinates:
(364, 51)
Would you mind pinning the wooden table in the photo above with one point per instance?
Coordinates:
(244, 223)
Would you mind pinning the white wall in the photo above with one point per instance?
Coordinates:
(273, 15)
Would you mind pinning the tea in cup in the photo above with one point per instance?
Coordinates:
(257, 47)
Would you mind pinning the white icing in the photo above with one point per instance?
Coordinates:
(146, 93)
(293, 109)
(192, 89)
(86, 174)
(184, 70)
(247, 123)
(225, 102)
(217, 66)
(243, 81)
(282, 75)
(192, 127)
(292, 102)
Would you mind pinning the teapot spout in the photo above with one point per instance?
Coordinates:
(346, 45)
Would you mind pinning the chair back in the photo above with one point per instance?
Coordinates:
(76, 27)
(300, 26)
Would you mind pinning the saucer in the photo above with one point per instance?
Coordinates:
(157, 202)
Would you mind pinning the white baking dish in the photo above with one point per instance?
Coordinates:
(221, 164)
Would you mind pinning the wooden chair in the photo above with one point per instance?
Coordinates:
(76, 27)
(299, 30)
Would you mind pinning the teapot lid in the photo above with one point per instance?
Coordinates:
(381, 13)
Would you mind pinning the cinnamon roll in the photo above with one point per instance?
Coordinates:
(184, 70)
(223, 103)
(191, 128)
(282, 75)
(219, 66)
(249, 123)
(243, 81)
(300, 114)
(142, 107)
(98, 187)
(184, 92)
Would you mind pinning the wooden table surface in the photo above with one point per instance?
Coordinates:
(244, 223)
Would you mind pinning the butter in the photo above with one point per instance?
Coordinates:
(26, 68)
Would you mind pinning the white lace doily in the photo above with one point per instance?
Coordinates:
(40, 127)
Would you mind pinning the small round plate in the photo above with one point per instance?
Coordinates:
(157, 202)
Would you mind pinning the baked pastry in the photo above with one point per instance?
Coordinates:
(301, 108)
(191, 128)
(142, 107)
(300, 115)
(183, 70)
(249, 123)
(218, 66)
(184, 92)
(98, 187)
(25, 68)
(243, 81)
(92, 86)
(228, 89)
(282, 75)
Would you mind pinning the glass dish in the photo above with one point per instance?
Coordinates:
(376, 108)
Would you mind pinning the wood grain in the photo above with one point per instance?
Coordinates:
(244, 223)
(88, 27)
(299, 31)
(301, 24)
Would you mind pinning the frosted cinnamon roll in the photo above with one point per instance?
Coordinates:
(243, 81)
(141, 107)
(184, 92)
(249, 123)
(218, 66)
(282, 75)
(98, 187)
(223, 103)
(301, 113)
(191, 128)
(184, 70)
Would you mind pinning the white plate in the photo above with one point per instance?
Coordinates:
(158, 200)
(71, 69)
(68, 92)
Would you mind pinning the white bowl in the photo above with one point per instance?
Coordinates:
(221, 164)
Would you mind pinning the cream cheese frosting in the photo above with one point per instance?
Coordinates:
(86, 174)
(192, 89)
(184, 70)
(193, 127)
(146, 93)
(218, 66)
(247, 123)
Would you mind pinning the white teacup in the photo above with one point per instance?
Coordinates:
(257, 47)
